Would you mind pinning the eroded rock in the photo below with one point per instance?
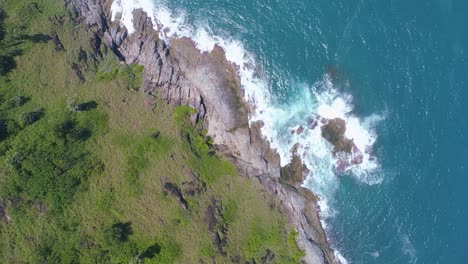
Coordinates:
(334, 132)
(344, 149)
(58, 44)
(269, 256)
(292, 173)
(300, 130)
(217, 228)
(172, 189)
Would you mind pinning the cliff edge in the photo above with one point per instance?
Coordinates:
(180, 75)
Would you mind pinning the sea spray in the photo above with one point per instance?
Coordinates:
(123, 10)
(294, 124)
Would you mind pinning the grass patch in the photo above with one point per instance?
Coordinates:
(139, 150)
(83, 161)
(169, 252)
(111, 69)
(296, 253)
(208, 165)
(229, 212)
(260, 237)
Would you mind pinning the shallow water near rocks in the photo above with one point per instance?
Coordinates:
(396, 71)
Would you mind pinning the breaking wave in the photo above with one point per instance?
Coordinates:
(291, 125)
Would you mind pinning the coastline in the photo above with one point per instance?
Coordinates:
(178, 75)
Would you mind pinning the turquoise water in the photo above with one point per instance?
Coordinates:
(402, 61)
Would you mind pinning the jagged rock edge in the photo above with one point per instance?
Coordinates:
(174, 75)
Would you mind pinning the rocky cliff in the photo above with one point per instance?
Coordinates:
(181, 75)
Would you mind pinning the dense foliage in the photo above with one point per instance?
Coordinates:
(48, 162)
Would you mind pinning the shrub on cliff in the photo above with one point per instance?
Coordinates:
(130, 75)
(29, 118)
(48, 165)
(117, 245)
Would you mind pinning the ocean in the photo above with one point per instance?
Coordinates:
(396, 71)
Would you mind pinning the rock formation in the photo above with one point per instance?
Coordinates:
(344, 149)
(181, 75)
(334, 132)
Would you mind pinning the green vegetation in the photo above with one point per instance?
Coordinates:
(130, 75)
(208, 165)
(89, 175)
(48, 162)
(297, 254)
(229, 212)
(139, 152)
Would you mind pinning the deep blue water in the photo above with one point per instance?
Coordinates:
(406, 59)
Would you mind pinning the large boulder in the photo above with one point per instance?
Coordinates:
(334, 132)
(344, 149)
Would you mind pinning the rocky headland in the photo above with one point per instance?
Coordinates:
(180, 75)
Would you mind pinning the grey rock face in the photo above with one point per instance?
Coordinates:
(180, 75)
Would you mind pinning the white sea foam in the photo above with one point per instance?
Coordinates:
(320, 101)
(408, 249)
(123, 9)
(340, 257)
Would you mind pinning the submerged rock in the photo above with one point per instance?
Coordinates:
(300, 130)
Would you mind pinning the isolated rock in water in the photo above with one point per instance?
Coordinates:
(358, 157)
(342, 162)
(312, 122)
(300, 130)
(345, 151)
(334, 132)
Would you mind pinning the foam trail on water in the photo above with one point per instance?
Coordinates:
(340, 257)
(408, 249)
(290, 126)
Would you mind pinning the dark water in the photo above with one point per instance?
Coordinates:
(404, 60)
